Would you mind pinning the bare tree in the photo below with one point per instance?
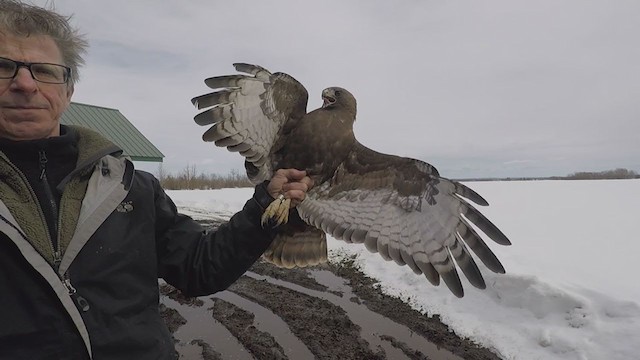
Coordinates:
(189, 176)
(162, 174)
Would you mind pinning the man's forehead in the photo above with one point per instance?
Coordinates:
(32, 48)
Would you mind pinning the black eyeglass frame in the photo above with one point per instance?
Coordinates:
(66, 75)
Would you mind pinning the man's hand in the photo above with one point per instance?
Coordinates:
(291, 183)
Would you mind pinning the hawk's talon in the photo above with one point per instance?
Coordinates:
(277, 213)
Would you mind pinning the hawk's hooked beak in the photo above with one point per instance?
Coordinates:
(327, 98)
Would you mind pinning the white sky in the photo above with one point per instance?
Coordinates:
(570, 291)
(482, 88)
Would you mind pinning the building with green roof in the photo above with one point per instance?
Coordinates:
(111, 124)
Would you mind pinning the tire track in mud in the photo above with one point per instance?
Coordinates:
(375, 329)
(196, 333)
(326, 312)
(314, 314)
(260, 324)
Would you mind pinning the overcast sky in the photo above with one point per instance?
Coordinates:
(476, 88)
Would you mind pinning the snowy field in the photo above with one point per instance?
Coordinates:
(569, 291)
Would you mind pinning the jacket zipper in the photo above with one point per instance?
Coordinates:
(40, 211)
(83, 304)
(57, 256)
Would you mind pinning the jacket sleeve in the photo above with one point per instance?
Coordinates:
(201, 263)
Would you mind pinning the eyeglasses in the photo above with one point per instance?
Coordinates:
(42, 72)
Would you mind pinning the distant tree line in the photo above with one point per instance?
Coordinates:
(619, 173)
(189, 179)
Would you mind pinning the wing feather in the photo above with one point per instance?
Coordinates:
(486, 226)
(422, 261)
(467, 264)
(479, 247)
(468, 193)
(402, 209)
(249, 112)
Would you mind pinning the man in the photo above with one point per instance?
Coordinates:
(78, 269)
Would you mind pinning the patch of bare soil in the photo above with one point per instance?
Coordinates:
(327, 312)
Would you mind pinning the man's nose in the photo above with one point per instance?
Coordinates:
(23, 80)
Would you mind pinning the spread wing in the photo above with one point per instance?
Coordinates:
(250, 113)
(402, 209)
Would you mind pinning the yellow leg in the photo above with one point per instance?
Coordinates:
(277, 212)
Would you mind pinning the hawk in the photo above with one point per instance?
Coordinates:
(399, 207)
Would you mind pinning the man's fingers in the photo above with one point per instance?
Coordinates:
(308, 181)
(291, 174)
(293, 183)
(304, 185)
(296, 197)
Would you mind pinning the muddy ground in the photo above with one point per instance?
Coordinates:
(326, 312)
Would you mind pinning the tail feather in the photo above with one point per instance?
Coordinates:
(297, 247)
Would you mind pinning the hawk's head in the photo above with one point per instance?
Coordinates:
(339, 98)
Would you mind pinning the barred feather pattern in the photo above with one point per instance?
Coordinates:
(405, 229)
(298, 249)
(248, 112)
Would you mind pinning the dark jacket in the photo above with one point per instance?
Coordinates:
(91, 290)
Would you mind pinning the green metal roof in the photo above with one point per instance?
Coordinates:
(111, 124)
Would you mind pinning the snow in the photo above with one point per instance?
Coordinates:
(569, 291)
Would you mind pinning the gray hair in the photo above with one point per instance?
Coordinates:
(20, 19)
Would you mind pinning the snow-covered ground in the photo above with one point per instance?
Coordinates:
(569, 291)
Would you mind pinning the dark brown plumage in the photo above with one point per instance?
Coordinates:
(398, 207)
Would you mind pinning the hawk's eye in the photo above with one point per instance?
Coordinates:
(338, 92)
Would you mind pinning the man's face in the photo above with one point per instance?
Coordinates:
(30, 109)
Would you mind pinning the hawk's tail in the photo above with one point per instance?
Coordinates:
(298, 248)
